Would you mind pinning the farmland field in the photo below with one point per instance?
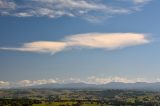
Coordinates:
(78, 97)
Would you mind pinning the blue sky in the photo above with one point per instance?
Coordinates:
(92, 41)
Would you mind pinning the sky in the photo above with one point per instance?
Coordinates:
(70, 41)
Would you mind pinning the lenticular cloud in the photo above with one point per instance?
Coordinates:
(108, 41)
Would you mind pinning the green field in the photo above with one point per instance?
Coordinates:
(78, 97)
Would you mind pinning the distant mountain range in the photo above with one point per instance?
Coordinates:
(111, 85)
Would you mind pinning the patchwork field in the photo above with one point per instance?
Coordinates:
(78, 97)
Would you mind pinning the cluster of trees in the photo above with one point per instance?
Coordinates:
(112, 102)
(18, 102)
(74, 104)
(30, 102)
(79, 98)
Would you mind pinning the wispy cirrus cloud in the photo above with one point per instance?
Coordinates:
(91, 10)
(141, 1)
(6, 4)
(108, 41)
(135, 1)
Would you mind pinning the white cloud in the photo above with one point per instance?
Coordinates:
(109, 41)
(143, 80)
(73, 4)
(73, 80)
(141, 1)
(104, 80)
(6, 4)
(40, 46)
(4, 84)
(136, 1)
(36, 82)
(89, 80)
(86, 9)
